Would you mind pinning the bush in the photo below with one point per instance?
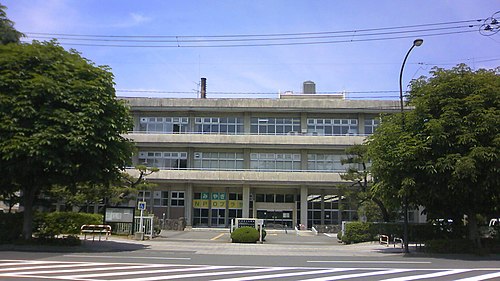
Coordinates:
(356, 232)
(449, 246)
(11, 226)
(52, 224)
(245, 235)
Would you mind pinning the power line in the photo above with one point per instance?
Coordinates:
(266, 44)
(256, 35)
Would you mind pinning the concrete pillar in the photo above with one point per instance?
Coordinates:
(245, 212)
(246, 123)
(303, 123)
(303, 160)
(303, 205)
(361, 124)
(188, 205)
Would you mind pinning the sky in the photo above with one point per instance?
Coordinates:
(353, 47)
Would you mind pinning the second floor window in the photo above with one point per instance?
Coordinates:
(163, 124)
(218, 160)
(371, 125)
(332, 127)
(274, 162)
(164, 160)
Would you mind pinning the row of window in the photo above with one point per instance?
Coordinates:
(161, 198)
(258, 125)
(235, 161)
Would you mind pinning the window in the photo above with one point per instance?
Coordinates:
(163, 124)
(219, 125)
(326, 162)
(332, 127)
(371, 125)
(274, 126)
(160, 198)
(274, 162)
(164, 160)
(218, 160)
(177, 198)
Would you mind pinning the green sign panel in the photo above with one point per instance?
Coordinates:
(204, 195)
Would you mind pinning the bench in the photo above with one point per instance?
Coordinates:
(95, 229)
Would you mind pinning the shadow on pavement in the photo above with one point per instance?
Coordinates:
(86, 247)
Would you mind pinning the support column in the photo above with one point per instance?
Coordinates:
(245, 212)
(188, 205)
(303, 205)
(361, 124)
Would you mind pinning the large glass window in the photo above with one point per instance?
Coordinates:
(274, 126)
(163, 124)
(164, 160)
(332, 127)
(219, 125)
(371, 125)
(275, 162)
(326, 162)
(218, 160)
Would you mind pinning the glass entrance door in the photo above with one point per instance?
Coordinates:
(276, 218)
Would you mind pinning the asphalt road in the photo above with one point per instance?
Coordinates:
(210, 256)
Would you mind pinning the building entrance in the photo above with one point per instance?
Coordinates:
(276, 218)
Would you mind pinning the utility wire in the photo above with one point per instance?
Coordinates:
(254, 39)
(256, 35)
(178, 45)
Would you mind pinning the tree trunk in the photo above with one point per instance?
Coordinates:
(383, 209)
(473, 231)
(28, 199)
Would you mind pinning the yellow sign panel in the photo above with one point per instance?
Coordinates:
(217, 204)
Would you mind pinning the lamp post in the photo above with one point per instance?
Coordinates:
(416, 43)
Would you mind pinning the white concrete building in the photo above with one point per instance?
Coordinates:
(276, 159)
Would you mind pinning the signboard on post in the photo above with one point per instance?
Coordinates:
(141, 205)
(119, 214)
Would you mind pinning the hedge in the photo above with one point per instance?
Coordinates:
(245, 235)
(11, 226)
(56, 223)
(356, 232)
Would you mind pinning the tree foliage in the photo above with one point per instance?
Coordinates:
(360, 175)
(60, 122)
(447, 156)
(8, 34)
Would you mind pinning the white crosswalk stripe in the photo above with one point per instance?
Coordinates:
(102, 271)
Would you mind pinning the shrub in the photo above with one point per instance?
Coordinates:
(52, 224)
(449, 246)
(245, 235)
(356, 232)
(11, 226)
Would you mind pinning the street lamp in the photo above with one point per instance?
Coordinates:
(416, 43)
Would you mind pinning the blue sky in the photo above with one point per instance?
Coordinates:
(359, 68)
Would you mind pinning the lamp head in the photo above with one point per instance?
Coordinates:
(418, 42)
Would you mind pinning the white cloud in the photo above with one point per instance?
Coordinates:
(139, 18)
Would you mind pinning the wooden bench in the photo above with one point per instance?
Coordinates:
(95, 229)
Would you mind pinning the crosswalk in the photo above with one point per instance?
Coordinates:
(101, 271)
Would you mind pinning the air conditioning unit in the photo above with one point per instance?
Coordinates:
(292, 133)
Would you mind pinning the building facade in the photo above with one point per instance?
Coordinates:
(276, 159)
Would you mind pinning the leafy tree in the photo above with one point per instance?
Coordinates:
(360, 175)
(60, 122)
(456, 118)
(121, 190)
(8, 34)
(447, 157)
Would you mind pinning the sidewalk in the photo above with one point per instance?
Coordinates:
(218, 242)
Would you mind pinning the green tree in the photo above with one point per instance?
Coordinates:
(8, 34)
(446, 158)
(456, 118)
(359, 173)
(60, 122)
